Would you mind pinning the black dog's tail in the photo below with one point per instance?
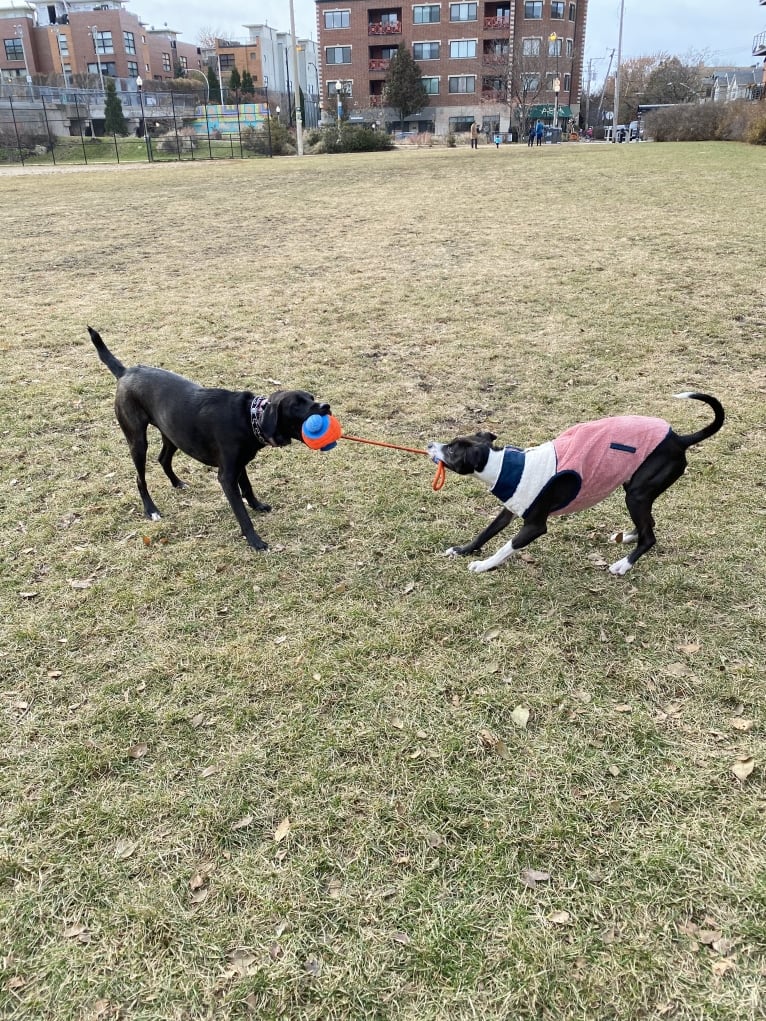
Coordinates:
(114, 365)
(709, 430)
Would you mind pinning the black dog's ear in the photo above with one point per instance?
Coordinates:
(487, 437)
(269, 425)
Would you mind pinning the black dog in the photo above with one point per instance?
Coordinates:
(223, 428)
(575, 471)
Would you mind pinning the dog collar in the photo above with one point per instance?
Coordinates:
(257, 411)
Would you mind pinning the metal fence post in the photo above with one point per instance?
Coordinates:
(51, 144)
(175, 124)
(16, 130)
(79, 121)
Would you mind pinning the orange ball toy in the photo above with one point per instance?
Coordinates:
(321, 432)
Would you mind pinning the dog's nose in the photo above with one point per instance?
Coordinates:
(324, 409)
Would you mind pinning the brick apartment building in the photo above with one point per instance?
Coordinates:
(494, 61)
(78, 37)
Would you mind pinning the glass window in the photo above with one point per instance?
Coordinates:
(426, 15)
(431, 86)
(567, 82)
(13, 49)
(462, 48)
(337, 54)
(345, 88)
(557, 11)
(530, 82)
(425, 51)
(130, 42)
(458, 124)
(462, 12)
(63, 45)
(462, 83)
(337, 19)
(533, 10)
(167, 66)
(389, 18)
(531, 47)
(132, 69)
(103, 42)
(572, 12)
(570, 47)
(554, 47)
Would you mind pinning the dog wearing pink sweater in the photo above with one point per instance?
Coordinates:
(575, 471)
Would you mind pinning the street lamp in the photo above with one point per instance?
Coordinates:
(95, 33)
(204, 79)
(339, 98)
(139, 89)
(296, 85)
(553, 41)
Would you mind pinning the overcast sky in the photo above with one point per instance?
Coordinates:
(722, 30)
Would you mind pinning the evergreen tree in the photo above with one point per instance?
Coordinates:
(248, 86)
(114, 118)
(213, 86)
(404, 89)
(235, 80)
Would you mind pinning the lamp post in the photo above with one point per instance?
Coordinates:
(616, 114)
(314, 94)
(553, 41)
(95, 33)
(268, 112)
(139, 89)
(339, 98)
(204, 79)
(296, 85)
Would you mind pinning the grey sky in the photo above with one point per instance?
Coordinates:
(723, 30)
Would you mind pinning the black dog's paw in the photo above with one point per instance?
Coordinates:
(255, 542)
(262, 508)
(459, 551)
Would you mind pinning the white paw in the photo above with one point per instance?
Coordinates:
(156, 516)
(620, 567)
(451, 552)
(480, 566)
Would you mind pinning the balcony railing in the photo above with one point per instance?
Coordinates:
(376, 101)
(759, 44)
(494, 95)
(494, 59)
(498, 23)
(384, 28)
(379, 63)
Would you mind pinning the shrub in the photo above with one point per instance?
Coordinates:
(257, 140)
(756, 133)
(185, 141)
(451, 140)
(353, 138)
(740, 121)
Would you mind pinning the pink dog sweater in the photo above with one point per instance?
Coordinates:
(602, 455)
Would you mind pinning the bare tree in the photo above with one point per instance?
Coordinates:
(207, 36)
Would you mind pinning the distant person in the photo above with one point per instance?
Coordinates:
(539, 132)
(531, 136)
(497, 139)
(474, 135)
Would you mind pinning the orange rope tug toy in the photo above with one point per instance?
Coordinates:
(322, 432)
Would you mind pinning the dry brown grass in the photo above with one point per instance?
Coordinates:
(352, 680)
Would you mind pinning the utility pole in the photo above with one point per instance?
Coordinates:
(603, 91)
(617, 75)
(296, 85)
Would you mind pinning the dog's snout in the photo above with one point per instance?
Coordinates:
(324, 408)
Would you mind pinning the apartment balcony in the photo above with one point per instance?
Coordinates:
(379, 64)
(497, 25)
(759, 43)
(384, 28)
(494, 59)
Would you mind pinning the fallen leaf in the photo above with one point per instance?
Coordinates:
(722, 966)
(282, 830)
(312, 966)
(85, 583)
(209, 771)
(241, 963)
(677, 669)
(689, 649)
(199, 896)
(198, 720)
(124, 849)
(78, 931)
(623, 707)
(487, 738)
(708, 936)
(614, 770)
(409, 587)
(138, 751)
(397, 722)
(559, 917)
(242, 823)
(531, 877)
(741, 724)
(743, 767)
(401, 937)
(491, 635)
(276, 951)
(280, 640)
(723, 946)
(520, 716)
(53, 674)
(16, 982)
(334, 887)
(27, 595)
(281, 928)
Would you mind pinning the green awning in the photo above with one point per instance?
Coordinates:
(546, 111)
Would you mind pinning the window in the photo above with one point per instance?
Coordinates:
(567, 82)
(389, 18)
(130, 42)
(345, 88)
(570, 47)
(495, 84)
(337, 55)
(226, 61)
(431, 85)
(167, 66)
(184, 62)
(462, 83)
(554, 47)
(103, 42)
(337, 19)
(530, 82)
(462, 12)
(550, 78)
(557, 11)
(572, 12)
(531, 47)
(533, 10)
(104, 67)
(425, 51)
(63, 45)
(132, 69)
(13, 49)
(458, 124)
(459, 48)
(426, 15)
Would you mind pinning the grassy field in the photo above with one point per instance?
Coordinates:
(347, 779)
